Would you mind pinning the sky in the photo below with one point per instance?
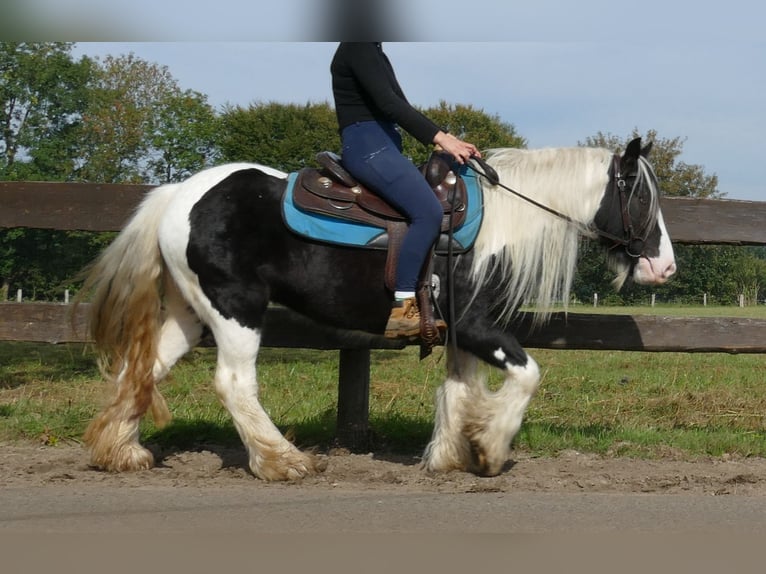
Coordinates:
(558, 70)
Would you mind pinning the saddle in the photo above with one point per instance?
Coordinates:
(333, 192)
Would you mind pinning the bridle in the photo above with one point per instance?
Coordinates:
(630, 240)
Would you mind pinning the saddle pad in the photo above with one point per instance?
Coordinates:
(342, 232)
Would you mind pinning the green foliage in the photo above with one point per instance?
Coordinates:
(476, 126)
(184, 137)
(139, 127)
(288, 136)
(44, 263)
(282, 136)
(723, 272)
(42, 95)
(677, 178)
(117, 121)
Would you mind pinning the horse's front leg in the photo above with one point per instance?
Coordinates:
(449, 448)
(474, 427)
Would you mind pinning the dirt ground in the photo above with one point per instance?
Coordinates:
(199, 510)
(570, 472)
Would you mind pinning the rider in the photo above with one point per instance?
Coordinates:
(370, 107)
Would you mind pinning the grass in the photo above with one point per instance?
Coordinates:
(753, 312)
(613, 403)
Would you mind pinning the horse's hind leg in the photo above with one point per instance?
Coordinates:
(181, 331)
(271, 456)
(113, 437)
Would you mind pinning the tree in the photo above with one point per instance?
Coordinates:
(466, 122)
(282, 136)
(42, 95)
(749, 274)
(677, 178)
(184, 137)
(119, 120)
(288, 136)
(140, 127)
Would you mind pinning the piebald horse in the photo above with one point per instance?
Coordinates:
(213, 252)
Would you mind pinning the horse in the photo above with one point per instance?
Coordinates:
(211, 253)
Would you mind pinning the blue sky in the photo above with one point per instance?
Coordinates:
(558, 70)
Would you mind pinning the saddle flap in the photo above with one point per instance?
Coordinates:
(316, 192)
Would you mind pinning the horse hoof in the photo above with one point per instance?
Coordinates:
(127, 459)
(293, 466)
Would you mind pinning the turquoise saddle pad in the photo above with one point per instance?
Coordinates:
(343, 232)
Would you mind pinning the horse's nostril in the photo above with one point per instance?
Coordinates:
(669, 270)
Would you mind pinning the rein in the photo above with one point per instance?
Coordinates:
(629, 240)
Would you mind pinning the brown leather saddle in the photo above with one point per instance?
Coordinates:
(332, 191)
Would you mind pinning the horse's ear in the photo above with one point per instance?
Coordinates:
(647, 149)
(630, 157)
(633, 149)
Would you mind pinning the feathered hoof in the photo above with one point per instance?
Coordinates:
(484, 465)
(293, 465)
(446, 456)
(127, 458)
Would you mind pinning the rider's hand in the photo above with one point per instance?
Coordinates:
(460, 150)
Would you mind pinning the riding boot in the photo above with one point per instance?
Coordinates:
(404, 321)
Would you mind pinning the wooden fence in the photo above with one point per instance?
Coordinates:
(102, 207)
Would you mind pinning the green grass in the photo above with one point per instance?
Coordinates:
(613, 403)
(756, 312)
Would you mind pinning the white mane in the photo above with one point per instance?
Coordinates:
(533, 251)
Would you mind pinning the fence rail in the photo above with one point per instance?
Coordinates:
(55, 323)
(106, 207)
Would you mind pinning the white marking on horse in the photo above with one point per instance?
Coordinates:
(500, 355)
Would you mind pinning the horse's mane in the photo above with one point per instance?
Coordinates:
(532, 252)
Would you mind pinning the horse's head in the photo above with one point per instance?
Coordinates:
(630, 222)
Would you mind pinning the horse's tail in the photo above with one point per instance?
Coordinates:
(125, 285)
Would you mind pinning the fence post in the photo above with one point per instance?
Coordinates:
(352, 430)
(704, 299)
(18, 296)
(653, 297)
(741, 300)
(595, 299)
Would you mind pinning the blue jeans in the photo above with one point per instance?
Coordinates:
(372, 153)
